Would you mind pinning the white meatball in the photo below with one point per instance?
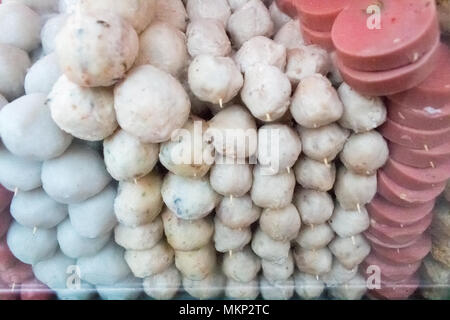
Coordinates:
(143, 237)
(127, 289)
(347, 223)
(350, 251)
(164, 285)
(279, 18)
(260, 50)
(139, 202)
(339, 274)
(145, 263)
(308, 286)
(238, 212)
(40, 6)
(281, 224)
(231, 179)
(21, 26)
(353, 190)
(208, 288)
(266, 92)
(67, 6)
(171, 11)
(250, 20)
(306, 61)
(323, 143)
(268, 249)
(315, 207)
(163, 46)
(77, 175)
(241, 266)
(207, 36)
(28, 130)
(312, 174)
(14, 64)
(316, 103)
(354, 289)
(127, 158)
(95, 216)
(314, 237)
(35, 209)
(365, 153)
(277, 290)
(272, 191)
(242, 290)
(212, 9)
(197, 264)
(31, 246)
(151, 104)
(85, 113)
(185, 235)
(188, 154)
(233, 133)
(17, 173)
(361, 113)
(229, 240)
(42, 75)
(278, 270)
(290, 35)
(315, 262)
(50, 30)
(138, 13)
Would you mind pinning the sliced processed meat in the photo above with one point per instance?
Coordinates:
(322, 39)
(320, 15)
(397, 290)
(421, 158)
(389, 270)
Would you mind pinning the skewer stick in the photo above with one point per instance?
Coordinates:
(353, 241)
(288, 170)
(221, 103)
(34, 230)
(432, 164)
(13, 286)
(16, 191)
(230, 253)
(358, 207)
(268, 117)
(231, 198)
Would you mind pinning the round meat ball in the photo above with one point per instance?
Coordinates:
(347, 223)
(281, 224)
(188, 154)
(164, 285)
(207, 37)
(233, 133)
(127, 289)
(21, 25)
(14, 64)
(75, 246)
(290, 35)
(229, 240)
(212, 9)
(339, 274)
(85, 113)
(35, 209)
(323, 143)
(279, 270)
(143, 237)
(197, 264)
(232, 179)
(139, 202)
(17, 173)
(277, 290)
(241, 266)
(354, 289)
(238, 213)
(306, 61)
(127, 158)
(260, 50)
(279, 18)
(31, 246)
(279, 147)
(210, 287)
(163, 46)
(75, 176)
(40, 6)
(95, 216)
(315, 102)
(42, 75)
(185, 235)
(315, 237)
(266, 92)
(28, 130)
(350, 251)
(268, 249)
(52, 271)
(145, 263)
(96, 49)
(308, 286)
(173, 12)
(151, 104)
(50, 30)
(361, 113)
(353, 190)
(250, 20)
(315, 262)
(365, 153)
(242, 291)
(312, 174)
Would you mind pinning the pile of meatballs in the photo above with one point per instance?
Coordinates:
(169, 146)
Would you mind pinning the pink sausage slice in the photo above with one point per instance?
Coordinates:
(397, 290)
(386, 242)
(382, 83)
(320, 15)
(408, 29)
(416, 178)
(393, 272)
(421, 158)
(322, 39)
(401, 196)
(387, 213)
